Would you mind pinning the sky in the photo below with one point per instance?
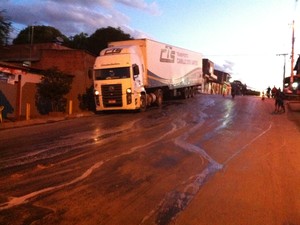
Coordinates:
(242, 37)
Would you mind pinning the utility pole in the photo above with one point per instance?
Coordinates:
(292, 56)
(293, 43)
(284, 55)
(31, 43)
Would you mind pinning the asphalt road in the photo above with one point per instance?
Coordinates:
(205, 160)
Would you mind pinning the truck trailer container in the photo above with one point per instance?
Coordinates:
(133, 74)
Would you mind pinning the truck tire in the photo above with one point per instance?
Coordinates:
(185, 93)
(159, 97)
(192, 92)
(143, 100)
(195, 90)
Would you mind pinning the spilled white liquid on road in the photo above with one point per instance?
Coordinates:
(15, 201)
(176, 201)
(66, 144)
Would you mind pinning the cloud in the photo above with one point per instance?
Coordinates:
(75, 16)
(227, 66)
(141, 4)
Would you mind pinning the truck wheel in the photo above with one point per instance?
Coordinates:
(195, 90)
(185, 93)
(159, 97)
(192, 92)
(143, 105)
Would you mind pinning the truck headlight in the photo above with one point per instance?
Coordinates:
(128, 96)
(294, 85)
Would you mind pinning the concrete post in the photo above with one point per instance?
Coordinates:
(1, 109)
(27, 111)
(19, 98)
(70, 107)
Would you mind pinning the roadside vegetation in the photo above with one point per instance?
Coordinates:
(51, 91)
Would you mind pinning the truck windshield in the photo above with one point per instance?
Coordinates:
(112, 73)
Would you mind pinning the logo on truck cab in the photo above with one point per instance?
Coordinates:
(112, 51)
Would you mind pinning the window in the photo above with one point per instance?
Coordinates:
(112, 73)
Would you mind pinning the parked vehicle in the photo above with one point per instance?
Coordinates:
(292, 91)
(133, 74)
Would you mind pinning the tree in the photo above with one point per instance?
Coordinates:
(93, 43)
(39, 34)
(99, 39)
(87, 100)
(79, 41)
(51, 91)
(5, 27)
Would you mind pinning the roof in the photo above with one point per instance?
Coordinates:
(13, 66)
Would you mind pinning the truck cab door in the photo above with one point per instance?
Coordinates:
(137, 77)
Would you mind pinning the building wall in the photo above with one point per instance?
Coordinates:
(23, 52)
(45, 56)
(28, 97)
(74, 62)
(210, 83)
(9, 95)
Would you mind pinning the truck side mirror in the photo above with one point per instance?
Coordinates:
(136, 70)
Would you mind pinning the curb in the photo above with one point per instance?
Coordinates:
(8, 124)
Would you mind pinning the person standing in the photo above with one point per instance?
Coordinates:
(233, 91)
(274, 90)
(268, 92)
(224, 90)
(279, 101)
(263, 95)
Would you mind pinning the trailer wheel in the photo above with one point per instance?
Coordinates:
(159, 97)
(185, 93)
(195, 90)
(143, 100)
(192, 92)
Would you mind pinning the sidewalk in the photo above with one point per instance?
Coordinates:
(294, 112)
(9, 124)
(294, 105)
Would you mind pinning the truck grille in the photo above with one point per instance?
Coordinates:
(112, 95)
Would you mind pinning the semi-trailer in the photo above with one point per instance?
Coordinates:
(133, 74)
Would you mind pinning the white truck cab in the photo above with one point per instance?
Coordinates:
(118, 78)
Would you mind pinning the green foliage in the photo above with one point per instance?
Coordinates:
(5, 27)
(79, 41)
(93, 43)
(86, 101)
(51, 91)
(98, 40)
(38, 34)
